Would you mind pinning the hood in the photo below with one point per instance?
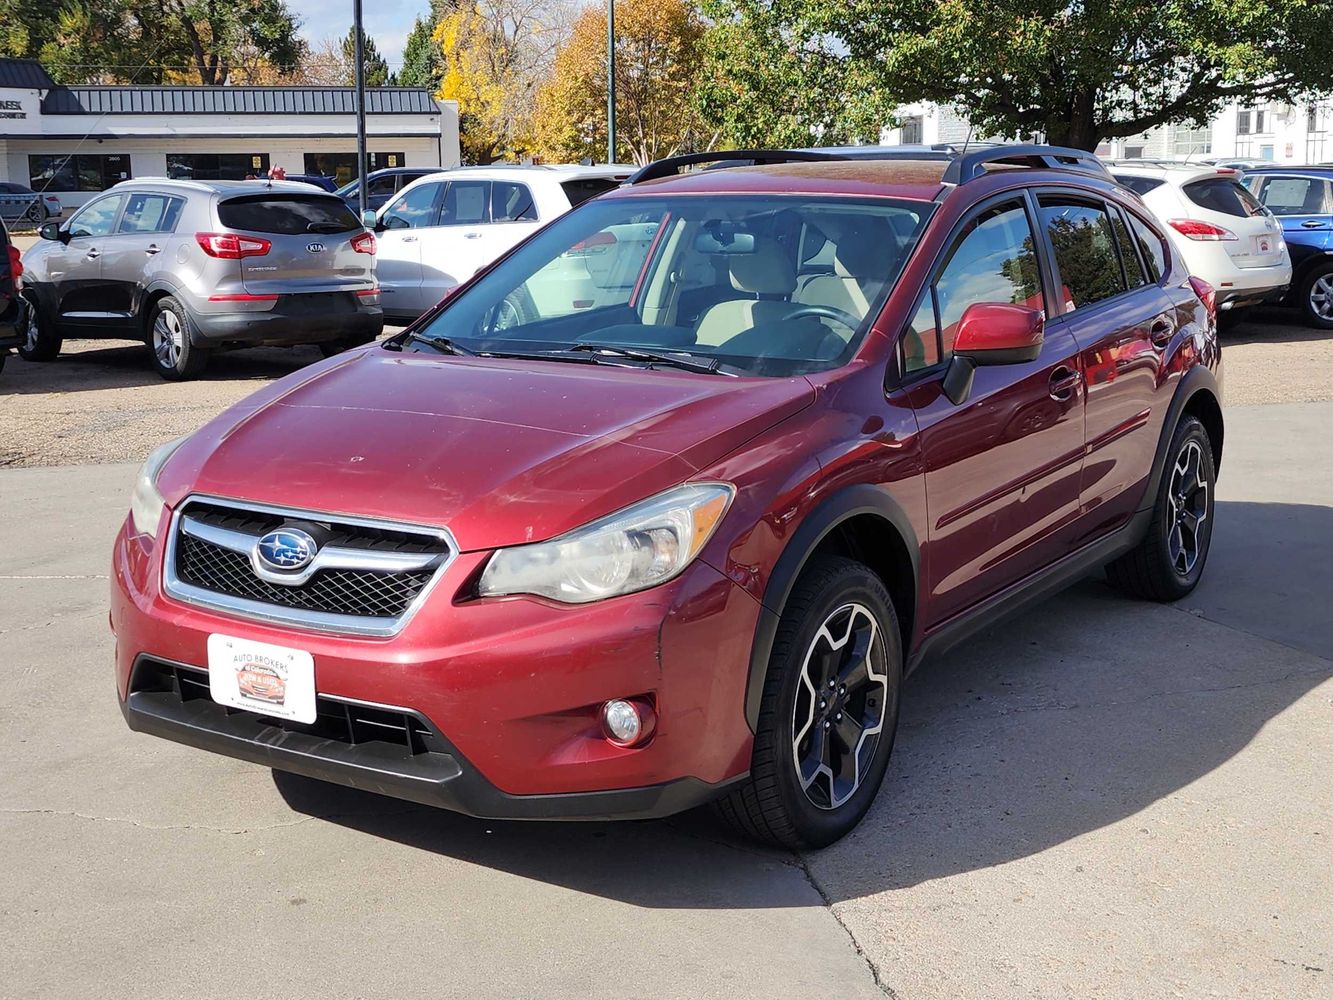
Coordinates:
(500, 452)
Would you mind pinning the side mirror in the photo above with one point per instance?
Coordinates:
(51, 231)
(992, 333)
(370, 219)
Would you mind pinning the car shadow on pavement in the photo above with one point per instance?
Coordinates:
(119, 365)
(1270, 325)
(1061, 721)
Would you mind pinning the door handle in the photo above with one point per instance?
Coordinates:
(409, 239)
(1313, 224)
(472, 236)
(1160, 332)
(93, 253)
(1064, 382)
(152, 248)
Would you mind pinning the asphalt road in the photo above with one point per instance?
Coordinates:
(1097, 799)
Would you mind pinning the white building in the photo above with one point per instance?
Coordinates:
(76, 141)
(1283, 133)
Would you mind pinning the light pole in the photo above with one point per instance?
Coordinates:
(360, 77)
(610, 80)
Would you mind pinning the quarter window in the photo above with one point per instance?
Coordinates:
(97, 217)
(416, 207)
(1085, 251)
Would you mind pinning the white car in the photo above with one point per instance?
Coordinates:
(1225, 235)
(441, 229)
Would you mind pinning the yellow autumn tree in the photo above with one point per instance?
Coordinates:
(657, 64)
(493, 53)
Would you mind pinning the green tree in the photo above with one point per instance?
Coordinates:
(1077, 70)
(771, 78)
(422, 60)
(377, 70)
(151, 41)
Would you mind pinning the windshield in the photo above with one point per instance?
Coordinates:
(757, 285)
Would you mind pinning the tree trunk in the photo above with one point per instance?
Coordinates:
(1077, 128)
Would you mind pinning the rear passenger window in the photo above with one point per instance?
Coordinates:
(1151, 245)
(288, 214)
(512, 202)
(1294, 195)
(994, 260)
(149, 213)
(1085, 251)
(382, 185)
(465, 203)
(1133, 267)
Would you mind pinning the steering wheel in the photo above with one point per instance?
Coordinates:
(829, 312)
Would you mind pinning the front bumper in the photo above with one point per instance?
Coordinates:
(507, 691)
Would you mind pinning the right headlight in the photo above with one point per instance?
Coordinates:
(146, 502)
(639, 547)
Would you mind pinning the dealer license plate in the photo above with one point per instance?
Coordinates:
(259, 677)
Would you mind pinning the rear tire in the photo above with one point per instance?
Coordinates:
(175, 358)
(1316, 298)
(43, 343)
(808, 785)
(1168, 563)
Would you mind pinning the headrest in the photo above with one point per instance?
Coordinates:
(767, 271)
(865, 247)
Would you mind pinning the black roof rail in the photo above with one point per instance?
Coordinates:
(968, 166)
(742, 157)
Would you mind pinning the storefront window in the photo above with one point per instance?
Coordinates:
(342, 166)
(216, 166)
(81, 172)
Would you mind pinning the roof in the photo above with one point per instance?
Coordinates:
(1319, 169)
(24, 74)
(915, 179)
(235, 100)
(261, 186)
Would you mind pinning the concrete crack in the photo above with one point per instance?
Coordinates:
(884, 987)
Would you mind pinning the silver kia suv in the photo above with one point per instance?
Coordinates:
(192, 267)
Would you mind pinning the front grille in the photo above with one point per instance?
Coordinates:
(349, 723)
(341, 592)
(218, 570)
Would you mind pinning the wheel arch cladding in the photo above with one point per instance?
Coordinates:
(1196, 396)
(861, 522)
(151, 297)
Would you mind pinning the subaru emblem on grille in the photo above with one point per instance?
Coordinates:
(315, 247)
(286, 549)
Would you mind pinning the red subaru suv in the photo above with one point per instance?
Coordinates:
(660, 508)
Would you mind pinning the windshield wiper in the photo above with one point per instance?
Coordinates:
(441, 344)
(684, 361)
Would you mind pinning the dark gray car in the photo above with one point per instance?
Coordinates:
(197, 266)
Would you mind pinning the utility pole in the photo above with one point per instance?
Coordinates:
(610, 80)
(360, 107)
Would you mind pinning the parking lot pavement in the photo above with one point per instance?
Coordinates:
(1097, 799)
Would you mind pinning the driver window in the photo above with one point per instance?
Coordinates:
(417, 207)
(96, 218)
(993, 261)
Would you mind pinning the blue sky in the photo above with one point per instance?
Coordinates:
(387, 21)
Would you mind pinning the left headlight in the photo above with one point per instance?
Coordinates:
(146, 502)
(637, 548)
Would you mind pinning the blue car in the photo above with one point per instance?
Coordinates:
(1302, 199)
(381, 185)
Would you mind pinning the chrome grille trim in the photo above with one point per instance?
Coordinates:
(340, 558)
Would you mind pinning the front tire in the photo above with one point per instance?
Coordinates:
(43, 342)
(829, 711)
(175, 358)
(1317, 298)
(1168, 563)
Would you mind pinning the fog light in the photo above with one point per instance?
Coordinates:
(627, 723)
